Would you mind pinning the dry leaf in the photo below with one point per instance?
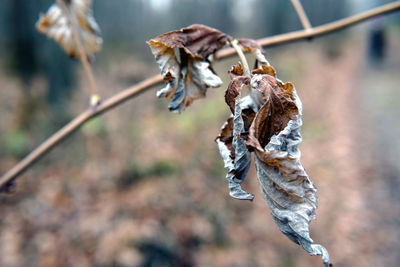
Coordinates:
(278, 108)
(285, 185)
(273, 131)
(197, 40)
(235, 86)
(233, 136)
(183, 57)
(265, 70)
(232, 147)
(56, 26)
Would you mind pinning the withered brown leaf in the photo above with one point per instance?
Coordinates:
(265, 70)
(235, 86)
(285, 185)
(197, 40)
(234, 134)
(183, 59)
(278, 109)
(272, 131)
(55, 25)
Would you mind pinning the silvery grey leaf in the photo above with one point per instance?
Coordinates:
(248, 102)
(242, 156)
(235, 189)
(175, 105)
(198, 79)
(193, 82)
(268, 121)
(286, 187)
(261, 59)
(184, 83)
(203, 76)
(236, 160)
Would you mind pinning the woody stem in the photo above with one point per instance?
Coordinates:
(239, 52)
(83, 56)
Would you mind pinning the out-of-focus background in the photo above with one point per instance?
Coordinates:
(141, 186)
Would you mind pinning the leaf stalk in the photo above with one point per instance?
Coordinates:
(83, 55)
(239, 51)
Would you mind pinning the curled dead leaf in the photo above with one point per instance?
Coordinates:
(183, 59)
(237, 70)
(232, 147)
(268, 121)
(197, 40)
(55, 25)
(235, 86)
(277, 110)
(285, 185)
(265, 70)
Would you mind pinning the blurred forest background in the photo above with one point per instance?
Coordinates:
(141, 186)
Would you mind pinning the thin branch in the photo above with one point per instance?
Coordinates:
(241, 55)
(133, 91)
(83, 56)
(318, 31)
(75, 124)
(302, 14)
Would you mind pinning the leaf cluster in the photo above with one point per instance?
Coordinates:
(266, 114)
(266, 120)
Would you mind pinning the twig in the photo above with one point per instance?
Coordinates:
(74, 125)
(131, 92)
(241, 55)
(302, 14)
(318, 31)
(83, 56)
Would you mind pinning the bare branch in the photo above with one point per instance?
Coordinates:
(302, 14)
(135, 90)
(74, 125)
(318, 31)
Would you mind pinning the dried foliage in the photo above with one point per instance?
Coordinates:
(268, 121)
(183, 57)
(56, 25)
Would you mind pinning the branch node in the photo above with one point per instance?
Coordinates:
(302, 15)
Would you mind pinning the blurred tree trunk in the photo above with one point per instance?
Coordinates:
(377, 41)
(21, 57)
(22, 43)
(29, 53)
(321, 12)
